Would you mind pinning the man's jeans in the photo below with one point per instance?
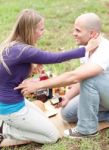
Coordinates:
(90, 106)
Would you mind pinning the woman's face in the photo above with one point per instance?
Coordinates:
(39, 30)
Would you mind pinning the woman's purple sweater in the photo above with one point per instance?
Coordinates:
(19, 59)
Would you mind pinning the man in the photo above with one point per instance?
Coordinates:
(69, 111)
(92, 77)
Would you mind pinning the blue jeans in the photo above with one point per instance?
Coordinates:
(91, 106)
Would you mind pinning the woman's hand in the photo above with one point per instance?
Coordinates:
(93, 44)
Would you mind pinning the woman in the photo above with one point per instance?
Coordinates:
(21, 119)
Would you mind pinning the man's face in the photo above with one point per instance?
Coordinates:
(81, 34)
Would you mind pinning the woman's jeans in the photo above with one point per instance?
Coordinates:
(91, 106)
(29, 124)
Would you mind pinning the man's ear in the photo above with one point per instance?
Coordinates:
(94, 34)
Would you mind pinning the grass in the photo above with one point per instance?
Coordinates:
(59, 16)
(101, 142)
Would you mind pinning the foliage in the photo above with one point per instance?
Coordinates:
(59, 16)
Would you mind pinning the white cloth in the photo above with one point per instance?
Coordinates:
(85, 58)
(100, 56)
(29, 124)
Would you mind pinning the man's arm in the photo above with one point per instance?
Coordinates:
(73, 91)
(83, 72)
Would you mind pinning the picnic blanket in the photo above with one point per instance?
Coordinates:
(55, 116)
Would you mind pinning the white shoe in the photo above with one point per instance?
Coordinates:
(73, 133)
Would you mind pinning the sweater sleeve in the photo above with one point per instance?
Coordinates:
(33, 55)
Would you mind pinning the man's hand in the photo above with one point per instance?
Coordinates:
(63, 103)
(27, 86)
(65, 100)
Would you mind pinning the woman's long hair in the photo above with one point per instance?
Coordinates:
(23, 31)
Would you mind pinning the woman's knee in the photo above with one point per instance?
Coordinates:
(54, 137)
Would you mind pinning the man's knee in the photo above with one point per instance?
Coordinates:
(92, 81)
(68, 116)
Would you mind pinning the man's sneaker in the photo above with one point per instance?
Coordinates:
(73, 133)
(1, 131)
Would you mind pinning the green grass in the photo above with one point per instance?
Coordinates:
(101, 142)
(59, 16)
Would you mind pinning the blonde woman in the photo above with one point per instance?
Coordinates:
(21, 119)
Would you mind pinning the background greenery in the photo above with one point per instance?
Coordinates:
(59, 16)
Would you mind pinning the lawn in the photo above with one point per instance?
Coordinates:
(59, 18)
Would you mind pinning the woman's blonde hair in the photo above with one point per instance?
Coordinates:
(23, 31)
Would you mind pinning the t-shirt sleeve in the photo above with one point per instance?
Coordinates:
(33, 55)
(101, 59)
